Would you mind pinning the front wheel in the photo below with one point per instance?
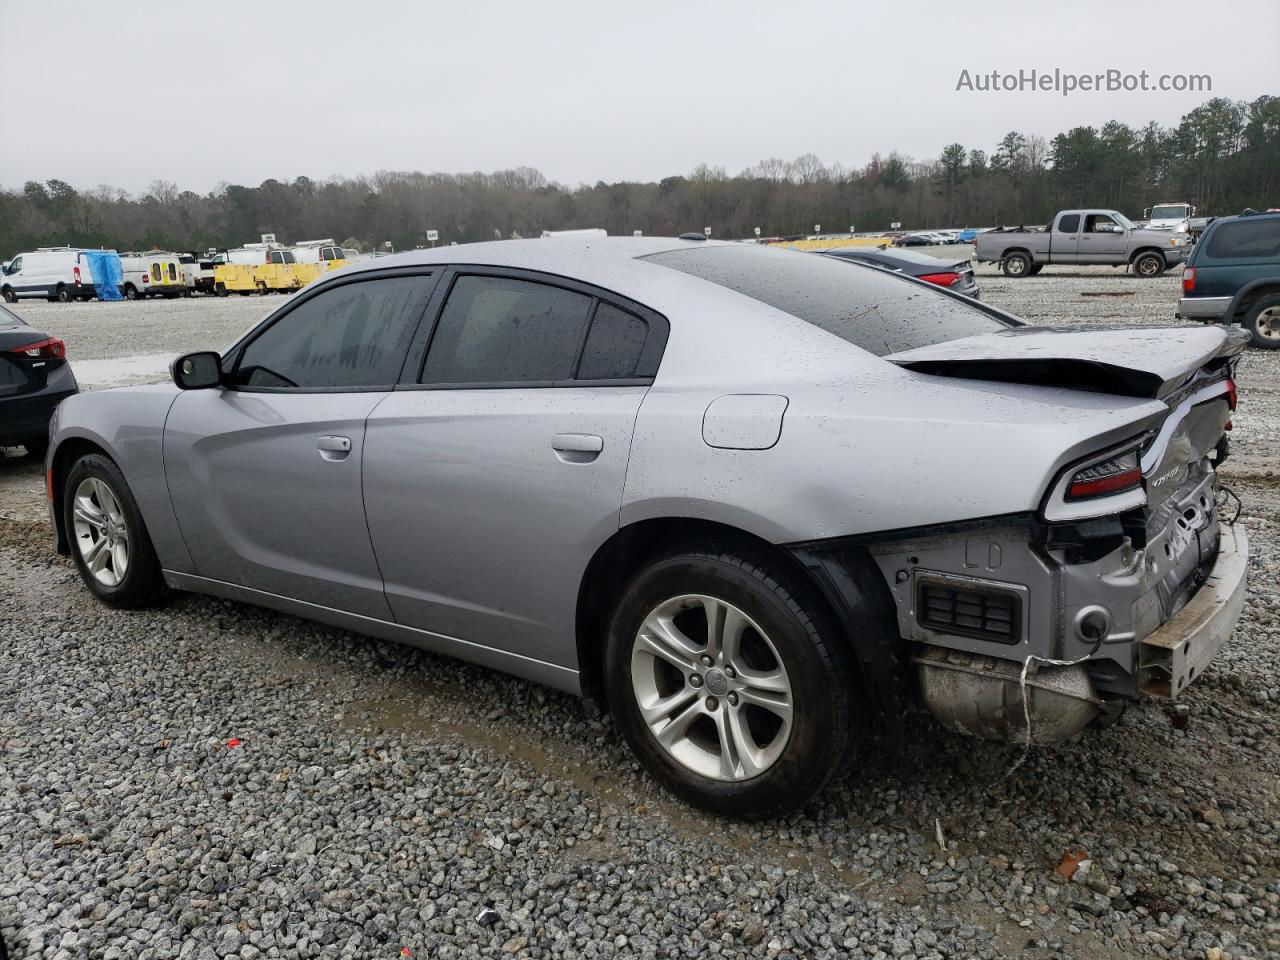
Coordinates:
(9, 295)
(1017, 265)
(1149, 265)
(1263, 323)
(730, 682)
(109, 541)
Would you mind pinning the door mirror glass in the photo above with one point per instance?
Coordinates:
(197, 371)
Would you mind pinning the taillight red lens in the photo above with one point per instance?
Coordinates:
(1188, 279)
(941, 279)
(1116, 475)
(51, 349)
(75, 272)
(1231, 394)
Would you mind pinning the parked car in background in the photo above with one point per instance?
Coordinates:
(48, 273)
(1083, 237)
(914, 240)
(152, 274)
(1233, 276)
(955, 275)
(34, 378)
(522, 456)
(197, 271)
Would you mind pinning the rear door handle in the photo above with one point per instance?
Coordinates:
(577, 447)
(334, 448)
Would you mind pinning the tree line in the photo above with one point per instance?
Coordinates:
(1222, 156)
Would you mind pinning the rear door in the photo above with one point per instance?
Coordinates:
(264, 473)
(491, 480)
(1064, 242)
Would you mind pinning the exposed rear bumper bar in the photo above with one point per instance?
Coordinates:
(1179, 650)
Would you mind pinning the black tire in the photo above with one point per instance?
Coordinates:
(63, 295)
(1263, 322)
(807, 644)
(1148, 265)
(9, 295)
(1035, 269)
(221, 290)
(1017, 265)
(130, 292)
(142, 583)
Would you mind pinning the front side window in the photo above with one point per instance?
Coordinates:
(1100, 223)
(353, 336)
(1245, 239)
(16, 265)
(504, 330)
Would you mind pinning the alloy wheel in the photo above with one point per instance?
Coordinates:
(102, 533)
(711, 687)
(1268, 323)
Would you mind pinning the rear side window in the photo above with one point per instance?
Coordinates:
(505, 330)
(352, 336)
(872, 309)
(1245, 239)
(1069, 223)
(614, 346)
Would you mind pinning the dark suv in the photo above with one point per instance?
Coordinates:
(1233, 276)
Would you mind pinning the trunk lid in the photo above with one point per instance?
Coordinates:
(1134, 361)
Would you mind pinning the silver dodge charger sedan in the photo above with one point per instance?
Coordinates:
(759, 502)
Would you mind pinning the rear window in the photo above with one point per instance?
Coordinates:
(876, 311)
(1245, 239)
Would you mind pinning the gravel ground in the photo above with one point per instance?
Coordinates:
(212, 780)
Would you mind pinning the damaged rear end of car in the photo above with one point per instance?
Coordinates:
(1127, 579)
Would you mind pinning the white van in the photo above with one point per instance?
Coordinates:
(317, 251)
(151, 275)
(51, 273)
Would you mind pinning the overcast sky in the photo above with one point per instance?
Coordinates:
(198, 93)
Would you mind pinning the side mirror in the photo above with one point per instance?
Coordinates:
(197, 371)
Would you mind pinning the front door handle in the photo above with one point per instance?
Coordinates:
(334, 448)
(577, 447)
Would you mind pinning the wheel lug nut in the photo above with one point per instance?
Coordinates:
(733, 699)
(695, 681)
(712, 703)
(730, 672)
(707, 661)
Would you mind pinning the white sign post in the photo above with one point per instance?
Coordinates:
(706, 232)
(637, 233)
(757, 231)
(895, 225)
(268, 238)
(817, 228)
(433, 236)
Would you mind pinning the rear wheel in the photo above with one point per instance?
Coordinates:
(1263, 322)
(64, 295)
(221, 290)
(1017, 265)
(730, 682)
(1148, 265)
(130, 292)
(109, 541)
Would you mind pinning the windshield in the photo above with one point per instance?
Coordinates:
(872, 309)
(1124, 221)
(1171, 212)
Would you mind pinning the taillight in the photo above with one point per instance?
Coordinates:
(941, 279)
(1188, 279)
(75, 272)
(1107, 477)
(1231, 394)
(51, 349)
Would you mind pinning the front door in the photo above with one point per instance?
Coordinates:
(264, 472)
(491, 484)
(1102, 240)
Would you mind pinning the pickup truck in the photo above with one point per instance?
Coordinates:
(1082, 237)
